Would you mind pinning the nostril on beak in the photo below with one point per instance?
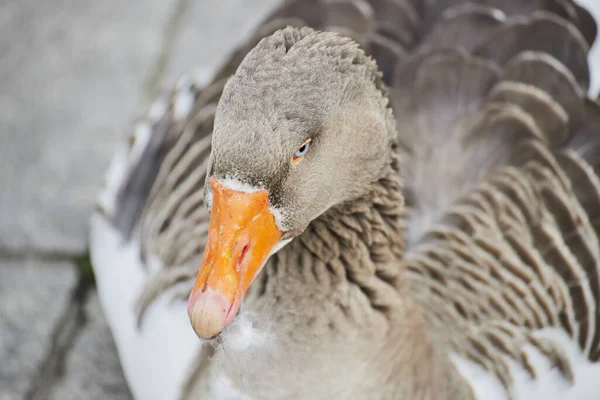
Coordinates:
(240, 259)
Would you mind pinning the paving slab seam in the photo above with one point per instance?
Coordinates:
(70, 324)
(9, 254)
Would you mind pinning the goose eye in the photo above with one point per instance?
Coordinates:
(301, 152)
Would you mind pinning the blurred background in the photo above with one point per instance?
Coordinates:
(73, 76)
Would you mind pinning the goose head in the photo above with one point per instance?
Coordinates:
(301, 127)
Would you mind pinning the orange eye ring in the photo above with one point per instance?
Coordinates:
(301, 152)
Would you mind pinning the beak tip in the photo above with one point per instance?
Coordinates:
(208, 313)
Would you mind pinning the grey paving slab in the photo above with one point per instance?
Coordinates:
(209, 31)
(33, 297)
(92, 370)
(71, 73)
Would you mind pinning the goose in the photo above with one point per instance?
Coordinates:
(401, 199)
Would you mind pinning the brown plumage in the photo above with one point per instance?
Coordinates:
(492, 145)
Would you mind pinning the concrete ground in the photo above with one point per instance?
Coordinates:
(73, 76)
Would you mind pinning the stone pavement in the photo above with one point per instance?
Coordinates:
(73, 75)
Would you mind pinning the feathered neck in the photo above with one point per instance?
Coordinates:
(331, 314)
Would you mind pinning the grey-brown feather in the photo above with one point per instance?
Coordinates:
(499, 153)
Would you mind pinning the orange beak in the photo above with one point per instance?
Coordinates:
(242, 232)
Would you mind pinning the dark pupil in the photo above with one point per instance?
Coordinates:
(302, 149)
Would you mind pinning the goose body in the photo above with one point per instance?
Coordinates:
(442, 245)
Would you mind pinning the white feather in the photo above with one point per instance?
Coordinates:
(184, 99)
(125, 157)
(593, 6)
(279, 222)
(157, 358)
(158, 109)
(549, 383)
(237, 185)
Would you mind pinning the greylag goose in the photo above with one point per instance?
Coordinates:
(406, 209)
